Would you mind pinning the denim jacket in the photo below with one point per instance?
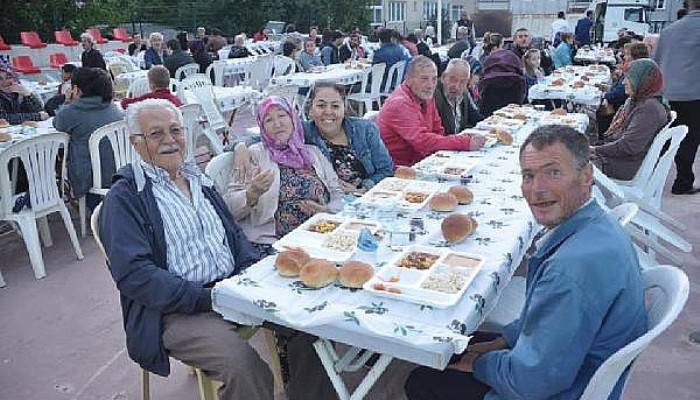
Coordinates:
(363, 137)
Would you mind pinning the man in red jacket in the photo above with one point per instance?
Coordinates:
(159, 82)
(409, 122)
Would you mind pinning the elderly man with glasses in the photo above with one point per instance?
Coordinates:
(169, 238)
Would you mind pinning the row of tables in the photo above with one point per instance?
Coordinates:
(416, 333)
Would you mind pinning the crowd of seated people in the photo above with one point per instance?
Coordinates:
(300, 168)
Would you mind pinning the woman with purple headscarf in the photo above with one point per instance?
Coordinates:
(17, 103)
(503, 81)
(290, 180)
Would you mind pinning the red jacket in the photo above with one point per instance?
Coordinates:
(156, 94)
(412, 129)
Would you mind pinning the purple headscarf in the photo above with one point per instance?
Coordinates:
(502, 65)
(294, 154)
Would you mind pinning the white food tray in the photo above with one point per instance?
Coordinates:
(316, 243)
(394, 191)
(406, 284)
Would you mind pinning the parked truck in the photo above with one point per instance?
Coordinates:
(639, 16)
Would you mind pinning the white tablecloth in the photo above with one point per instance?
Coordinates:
(605, 56)
(230, 98)
(588, 95)
(20, 133)
(337, 73)
(420, 334)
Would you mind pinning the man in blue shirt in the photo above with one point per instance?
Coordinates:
(584, 297)
(388, 53)
(583, 29)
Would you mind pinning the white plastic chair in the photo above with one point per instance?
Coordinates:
(669, 288)
(138, 87)
(224, 52)
(646, 189)
(186, 70)
(217, 67)
(371, 115)
(374, 96)
(38, 156)
(200, 91)
(194, 117)
(124, 153)
(284, 66)
(219, 170)
(393, 78)
(512, 300)
(260, 72)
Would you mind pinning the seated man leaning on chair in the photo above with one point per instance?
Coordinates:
(169, 237)
(453, 100)
(159, 82)
(584, 297)
(409, 122)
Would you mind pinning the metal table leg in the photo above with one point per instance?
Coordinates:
(334, 365)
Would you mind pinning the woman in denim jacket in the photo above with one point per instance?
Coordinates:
(352, 145)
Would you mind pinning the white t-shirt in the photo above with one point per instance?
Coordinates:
(560, 25)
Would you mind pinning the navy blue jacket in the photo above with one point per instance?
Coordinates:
(616, 95)
(132, 233)
(583, 31)
(364, 139)
(389, 54)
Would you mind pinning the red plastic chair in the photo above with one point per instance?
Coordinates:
(32, 40)
(65, 38)
(24, 65)
(4, 46)
(97, 35)
(121, 35)
(57, 60)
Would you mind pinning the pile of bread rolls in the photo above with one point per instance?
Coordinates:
(404, 172)
(318, 273)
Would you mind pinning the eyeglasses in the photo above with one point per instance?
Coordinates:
(159, 135)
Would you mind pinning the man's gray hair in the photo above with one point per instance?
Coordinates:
(419, 62)
(457, 62)
(155, 35)
(135, 109)
(88, 37)
(159, 77)
(574, 141)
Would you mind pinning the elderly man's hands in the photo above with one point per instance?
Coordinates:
(260, 184)
(466, 361)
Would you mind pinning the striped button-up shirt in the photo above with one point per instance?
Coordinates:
(197, 247)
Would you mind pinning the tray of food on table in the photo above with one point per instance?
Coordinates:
(426, 275)
(404, 193)
(328, 236)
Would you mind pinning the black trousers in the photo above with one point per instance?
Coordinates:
(431, 384)
(689, 115)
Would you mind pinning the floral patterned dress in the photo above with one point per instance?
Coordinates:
(297, 185)
(346, 164)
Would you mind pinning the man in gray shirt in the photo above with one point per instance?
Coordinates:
(678, 55)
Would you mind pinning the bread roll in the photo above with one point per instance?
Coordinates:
(457, 227)
(318, 273)
(30, 124)
(4, 123)
(354, 274)
(443, 202)
(559, 111)
(5, 137)
(405, 172)
(504, 137)
(289, 262)
(462, 193)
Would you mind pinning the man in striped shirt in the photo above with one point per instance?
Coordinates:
(169, 237)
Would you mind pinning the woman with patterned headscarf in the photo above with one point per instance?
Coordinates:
(636, 123)
(17, 103)
(290, 181)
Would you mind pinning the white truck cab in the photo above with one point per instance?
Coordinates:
(612, 15)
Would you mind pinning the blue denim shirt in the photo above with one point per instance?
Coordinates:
(364, 139)
(584, 301)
